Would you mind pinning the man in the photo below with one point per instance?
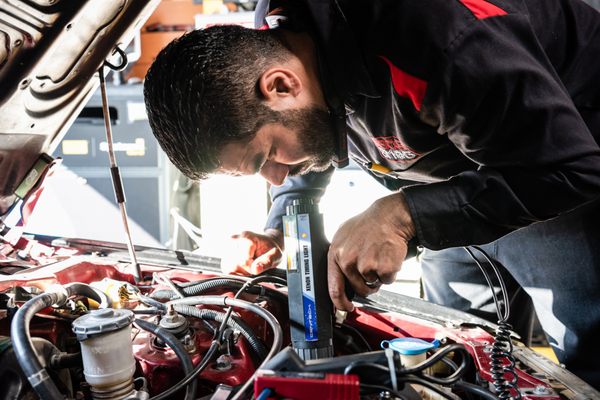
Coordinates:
(482, 116)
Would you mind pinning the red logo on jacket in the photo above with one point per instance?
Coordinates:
(391, 148)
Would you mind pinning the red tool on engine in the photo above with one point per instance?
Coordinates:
(307, 386)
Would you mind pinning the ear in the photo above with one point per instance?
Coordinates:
(280, 87)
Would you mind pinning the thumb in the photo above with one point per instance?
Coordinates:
(265, 261)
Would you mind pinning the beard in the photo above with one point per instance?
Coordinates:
(314, 127)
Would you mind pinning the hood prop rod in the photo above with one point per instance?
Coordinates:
(114, 169)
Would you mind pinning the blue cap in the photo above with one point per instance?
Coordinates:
(409, 346)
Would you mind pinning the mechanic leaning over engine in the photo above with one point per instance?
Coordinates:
(482, 117)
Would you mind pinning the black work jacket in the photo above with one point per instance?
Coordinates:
(484, 111)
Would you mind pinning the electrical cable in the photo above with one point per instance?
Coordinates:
(177, 347)
(476, 390)
(200, 288)
(503, 316)
(149, 311)
(258, 279)
(267, 316)
(254, 281)
(238, 324)
(360, 335)
(382, 388)
(416, 374)
(502, 347)
(171, 284)
(425, 383)
(223, 301)
(212, 350)
(152, 302)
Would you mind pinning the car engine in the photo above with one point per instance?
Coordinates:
(75, 324)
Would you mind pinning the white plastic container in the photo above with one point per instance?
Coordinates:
(106, 346)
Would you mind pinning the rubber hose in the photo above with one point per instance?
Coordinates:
(170, 339)
(91, 292)
(66, 360)
(23, 347)
(200, 288)
(234, 322)
(152, 302)
(261, 312)
(240, 279)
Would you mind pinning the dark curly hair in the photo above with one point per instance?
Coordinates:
(201, 93)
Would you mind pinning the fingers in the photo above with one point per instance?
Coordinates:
(366, 270)
(239, 256)
(250, 253)
(266, 261)
(336, 285)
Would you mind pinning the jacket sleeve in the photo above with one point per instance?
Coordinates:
(501, 103)
(311, 186)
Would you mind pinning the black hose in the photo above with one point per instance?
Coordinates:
(236, 323)
(152, 302)
(91, 292)
(21, 338)
(149, 311)
(476, 390)
(261, 312)
(199, 288)
(170, 339)
(66, 360)
(23, 347)
(208, 356)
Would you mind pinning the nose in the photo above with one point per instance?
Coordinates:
(274, 172)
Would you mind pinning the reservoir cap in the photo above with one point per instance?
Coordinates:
(101, 321)
(409, 346)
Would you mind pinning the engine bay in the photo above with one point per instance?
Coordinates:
(75, 324)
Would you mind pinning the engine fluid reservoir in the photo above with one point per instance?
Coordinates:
(412, 351)
(106, 347)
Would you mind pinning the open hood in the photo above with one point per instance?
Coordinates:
(50, 51)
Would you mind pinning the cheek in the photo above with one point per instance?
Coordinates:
(290, 150)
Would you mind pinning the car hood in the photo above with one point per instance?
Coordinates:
(50, 52)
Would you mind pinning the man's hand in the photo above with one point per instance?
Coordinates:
(369, 248)
(251, 253)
